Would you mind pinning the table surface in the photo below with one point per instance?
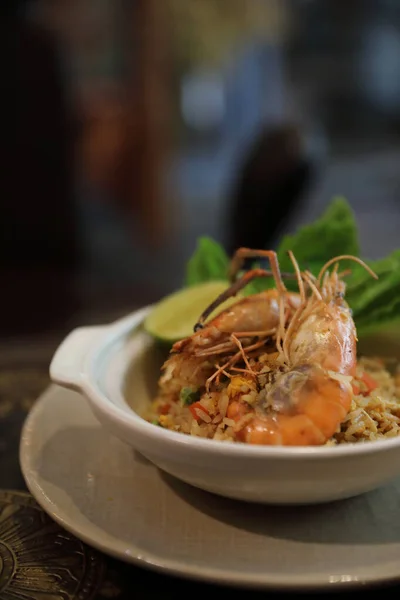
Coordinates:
(23, 376)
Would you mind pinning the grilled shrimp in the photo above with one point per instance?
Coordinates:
(255, 316)
(243, 327)
(306, 403)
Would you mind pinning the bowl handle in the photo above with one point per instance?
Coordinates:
(67, 365)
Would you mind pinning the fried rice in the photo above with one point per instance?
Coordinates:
(184, 406)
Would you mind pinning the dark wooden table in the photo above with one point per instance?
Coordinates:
(67, 569)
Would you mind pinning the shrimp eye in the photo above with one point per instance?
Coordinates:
(197, 327)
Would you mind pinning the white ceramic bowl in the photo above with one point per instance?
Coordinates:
(116, 367)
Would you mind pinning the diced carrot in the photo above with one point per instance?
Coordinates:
(164, 408)
(200, 407)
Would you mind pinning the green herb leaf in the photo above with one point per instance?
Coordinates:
(188, 396)
(208, 262)
(365, 295)
(334, 233)
(376, 319)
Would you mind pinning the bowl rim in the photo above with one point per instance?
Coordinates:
(124, 419)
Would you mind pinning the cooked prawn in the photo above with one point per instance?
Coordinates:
(242, 328)
(312, 395)
(233, 334)
(255, 316)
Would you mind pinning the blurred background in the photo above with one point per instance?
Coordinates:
(134, 126)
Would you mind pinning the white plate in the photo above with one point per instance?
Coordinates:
(111, 498)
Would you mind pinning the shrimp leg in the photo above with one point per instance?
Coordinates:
(242, 253)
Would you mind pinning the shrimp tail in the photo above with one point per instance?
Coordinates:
(306, 409)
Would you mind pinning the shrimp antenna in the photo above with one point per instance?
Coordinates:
(312, 285)
(345, 257)
(298, 275)
(303, 277)
(234, 289)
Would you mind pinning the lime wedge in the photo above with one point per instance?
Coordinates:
(174, 317)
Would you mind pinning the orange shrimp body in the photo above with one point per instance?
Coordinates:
(254, 315)
(307, 402)
(191, 359)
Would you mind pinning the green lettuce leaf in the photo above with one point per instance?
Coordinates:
(383, 316)
(365, 294)
(334, 233)
(209, 262)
